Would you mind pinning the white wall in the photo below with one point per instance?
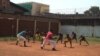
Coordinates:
(97, 31)
(81, 30)
(34, 8)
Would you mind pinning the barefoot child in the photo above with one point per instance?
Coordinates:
(82, 38)
(68, 39)
(49, 39)
(74, 37)
(60, 37)
(21, 36)
(43, 37)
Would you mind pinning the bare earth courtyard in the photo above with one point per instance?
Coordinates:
(10, 49)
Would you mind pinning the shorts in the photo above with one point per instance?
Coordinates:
(21, 38)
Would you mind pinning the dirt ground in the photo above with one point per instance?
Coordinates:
(33, 49)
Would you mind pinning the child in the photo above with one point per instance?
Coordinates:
(82, 38)
(68, 40)
(49, 39)
(28, 35)
(21, 36)
(43, 37)
(74, 36)
(37, 35)
(60, 37)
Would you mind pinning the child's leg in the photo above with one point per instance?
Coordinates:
(65, 43)
(43, 44)
(61, 40)
(70, 43)
(53, 43)
(76, 40)
(58, 40)
(81, 41)
(86, 42)
(25, 44)
(17, 42)
(24, 39)
(28, 38)
(18, 38)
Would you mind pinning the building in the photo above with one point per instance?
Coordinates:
(35, 8)
(13, 20)
(79, 23)
(8, 7)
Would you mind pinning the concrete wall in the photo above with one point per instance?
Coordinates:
(38, 8)
(34, 9)
(44, 9)
(81, 30)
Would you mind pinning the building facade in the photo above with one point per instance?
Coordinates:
(35, 8)
(13, 20)
(11, 24)
(79, 23)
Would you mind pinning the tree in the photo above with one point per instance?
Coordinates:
(87, 12)
(93, 11)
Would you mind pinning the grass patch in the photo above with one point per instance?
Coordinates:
(93, 40)
(7, 38)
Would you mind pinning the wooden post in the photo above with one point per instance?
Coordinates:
(59, 26)
(49, 27)
(17, 26)
(35, 24)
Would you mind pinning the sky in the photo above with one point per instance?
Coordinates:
(65, 6)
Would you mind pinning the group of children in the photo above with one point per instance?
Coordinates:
(48, 39)
(70, 39)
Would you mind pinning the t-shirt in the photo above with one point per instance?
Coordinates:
(49, 35)
(23, 33)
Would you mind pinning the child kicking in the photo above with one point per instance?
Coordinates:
(49, 39)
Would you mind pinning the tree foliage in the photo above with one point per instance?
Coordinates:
(94, 11)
